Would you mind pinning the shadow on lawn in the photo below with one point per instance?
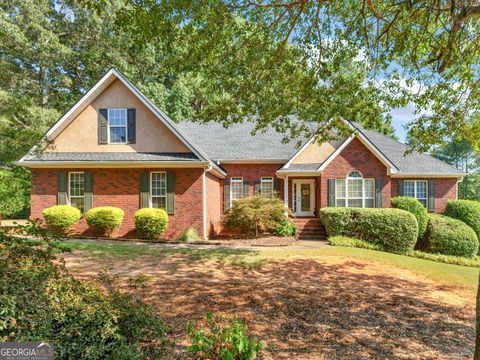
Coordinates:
(304, 309)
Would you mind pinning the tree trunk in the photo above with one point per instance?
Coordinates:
(476, 355)
(45, 86)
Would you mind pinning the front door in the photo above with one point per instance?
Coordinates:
(304, 197)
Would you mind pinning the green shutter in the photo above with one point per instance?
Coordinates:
(400, 187)
(378, 192)
(331, 192)
(226, 195)
(170, 192)
(431, 195)
(62, 189)
(257, 187)
(103, 126)
(246, 189)
(131, 126)
(88, 195)
(144, 190)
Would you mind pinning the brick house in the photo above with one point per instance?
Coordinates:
(115, 147)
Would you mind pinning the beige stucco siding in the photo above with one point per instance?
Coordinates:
(315, 153)
(151, 134)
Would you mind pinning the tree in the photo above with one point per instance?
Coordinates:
(14, 191)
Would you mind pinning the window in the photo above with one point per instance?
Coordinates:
(416, 189)
(158, 192)
(236, 188)
(266, 186)
(117, 126)
(355, 191)
(76, 190)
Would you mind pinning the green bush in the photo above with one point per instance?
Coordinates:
(394, 230)
(105, 218)
(61, 217)
(466, 210)
(190, 234)
(348, 241)
(42, 301)
(285, 228)
(254, 215)
(151, 223)
(222, 340)
(415, 207)
(449, 236)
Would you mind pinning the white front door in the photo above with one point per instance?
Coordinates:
(303, 197)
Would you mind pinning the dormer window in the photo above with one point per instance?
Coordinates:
(117, 126)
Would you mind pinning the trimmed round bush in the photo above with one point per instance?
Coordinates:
(61, 217)
(189, 234)
(415, 207)
(393, 230)
(151, 223)
(449, 236)
(105, 218)
(466, 210)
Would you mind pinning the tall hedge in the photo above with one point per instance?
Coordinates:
(449, 236)
(394, 230)
(415, 207)
(466, 210)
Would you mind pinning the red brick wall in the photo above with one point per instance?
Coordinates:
(445, 189)
(356, 156)
(121, 188)
(214, 201)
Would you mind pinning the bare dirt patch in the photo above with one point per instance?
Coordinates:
(334, 308)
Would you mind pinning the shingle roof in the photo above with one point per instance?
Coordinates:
(304, 167)
(114, 156)
(411, 163)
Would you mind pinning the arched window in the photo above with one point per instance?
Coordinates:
(355, 191)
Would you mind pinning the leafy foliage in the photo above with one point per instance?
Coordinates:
(340, 240)
(255, 214)
(393, 229)
(285, 228)
(151, 222)
(14, 194)
(190, 234)
(449, 236)
(222, 340)
(61, 217)
(41, 300)
(467, 211)
(415, 207)
(105, 218)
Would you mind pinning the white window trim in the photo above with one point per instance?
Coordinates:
(267, 179)
(70, 196)
(415, 182)
(117, 126)
(238, 179)
(151, 196)
(347, 198)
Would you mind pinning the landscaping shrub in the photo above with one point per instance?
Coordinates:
(394, 230)
(466, 210)
(255, 214)
(61, 217)
(415, 207)
(105, 218)
(285, 228)
(222, 340)
(151, 223)
(449, 236)
(190, 234)
(42, 301)
(340, 240)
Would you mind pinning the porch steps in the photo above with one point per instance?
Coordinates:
(309, 228)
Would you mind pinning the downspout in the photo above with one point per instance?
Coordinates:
(204, 187)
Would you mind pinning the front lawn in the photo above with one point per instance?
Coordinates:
(332, 302)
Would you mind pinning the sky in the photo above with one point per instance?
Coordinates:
(400, 117)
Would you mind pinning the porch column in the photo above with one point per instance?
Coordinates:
(285, 194)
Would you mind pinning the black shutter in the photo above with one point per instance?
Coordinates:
(258, 187)
(103, 126)
(144, 190)
(276, 186)
(226, 195)
(88, 194)
(62, 189)
(331, 192)
(246, 189)
(170, 193)
(378, 192)
(400, 187)
(131, 128)
(431, 195)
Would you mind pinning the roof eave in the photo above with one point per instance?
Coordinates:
(111, 164)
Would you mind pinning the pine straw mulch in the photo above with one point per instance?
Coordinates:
(336, 308)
